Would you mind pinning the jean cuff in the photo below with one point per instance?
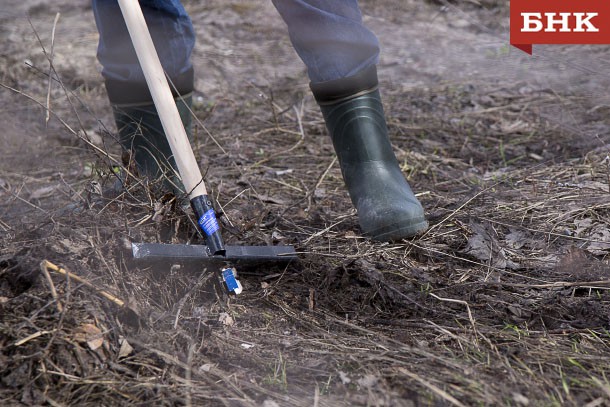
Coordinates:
(338, 90)
(129, 92)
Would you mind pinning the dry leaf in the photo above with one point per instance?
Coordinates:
(90, 334)
(271, 199)
(521, 399)
(515, 127)
(582, 225)
(283, 172)
(515, 239)
(277, 236)
(368, 381)
(43, 192)
(205, 368)
(484, 246)
(600, 235)
(160, 211)
(126, 349)
(312, 299)
(344, 378)
(226, 319)
(74, 246)
(3, 300)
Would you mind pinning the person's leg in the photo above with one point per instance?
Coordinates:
(329, 37)
(140, 129)
(174, 38)
(341, 56)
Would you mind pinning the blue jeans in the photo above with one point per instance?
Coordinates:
(328, 35)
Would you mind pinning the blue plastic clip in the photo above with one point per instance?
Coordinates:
(233, 285)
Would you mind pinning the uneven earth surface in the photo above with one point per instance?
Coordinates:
(503, 301)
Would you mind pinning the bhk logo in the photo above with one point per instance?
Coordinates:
(559, 22)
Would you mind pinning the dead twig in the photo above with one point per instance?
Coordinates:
(48, 265)
(45, 271)
(470, 317)
(299, 113)
(51, 54)
(5, 227)
(319, 182)
(203, 278)
(32, 336)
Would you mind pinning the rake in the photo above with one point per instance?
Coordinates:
(214, 250)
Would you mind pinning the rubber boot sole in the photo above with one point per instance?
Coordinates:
(395, 232)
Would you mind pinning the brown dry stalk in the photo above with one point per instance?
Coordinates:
(296, 145)
(32, 336)
(470, 317)
(45, 271)
(4, 226)
(48, 109)
(50, 266)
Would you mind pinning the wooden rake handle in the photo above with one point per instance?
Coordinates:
(172, 124)
(163, 98)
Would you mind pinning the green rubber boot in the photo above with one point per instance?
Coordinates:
(141, 133)
(140, 129)
(387, 208)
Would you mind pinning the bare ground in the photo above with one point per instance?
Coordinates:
(504, 301)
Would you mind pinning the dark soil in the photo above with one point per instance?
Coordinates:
(503, 301)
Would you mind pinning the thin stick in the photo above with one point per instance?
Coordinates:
(321, 232)
(47, 264)
(45, 271)
(33, 336)
(319, 182)
(470, 317)
(559, 284)
(4, 226)
(52, 69)
(204, 277)
(16, 196)
(297, 144)
(48, 114)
